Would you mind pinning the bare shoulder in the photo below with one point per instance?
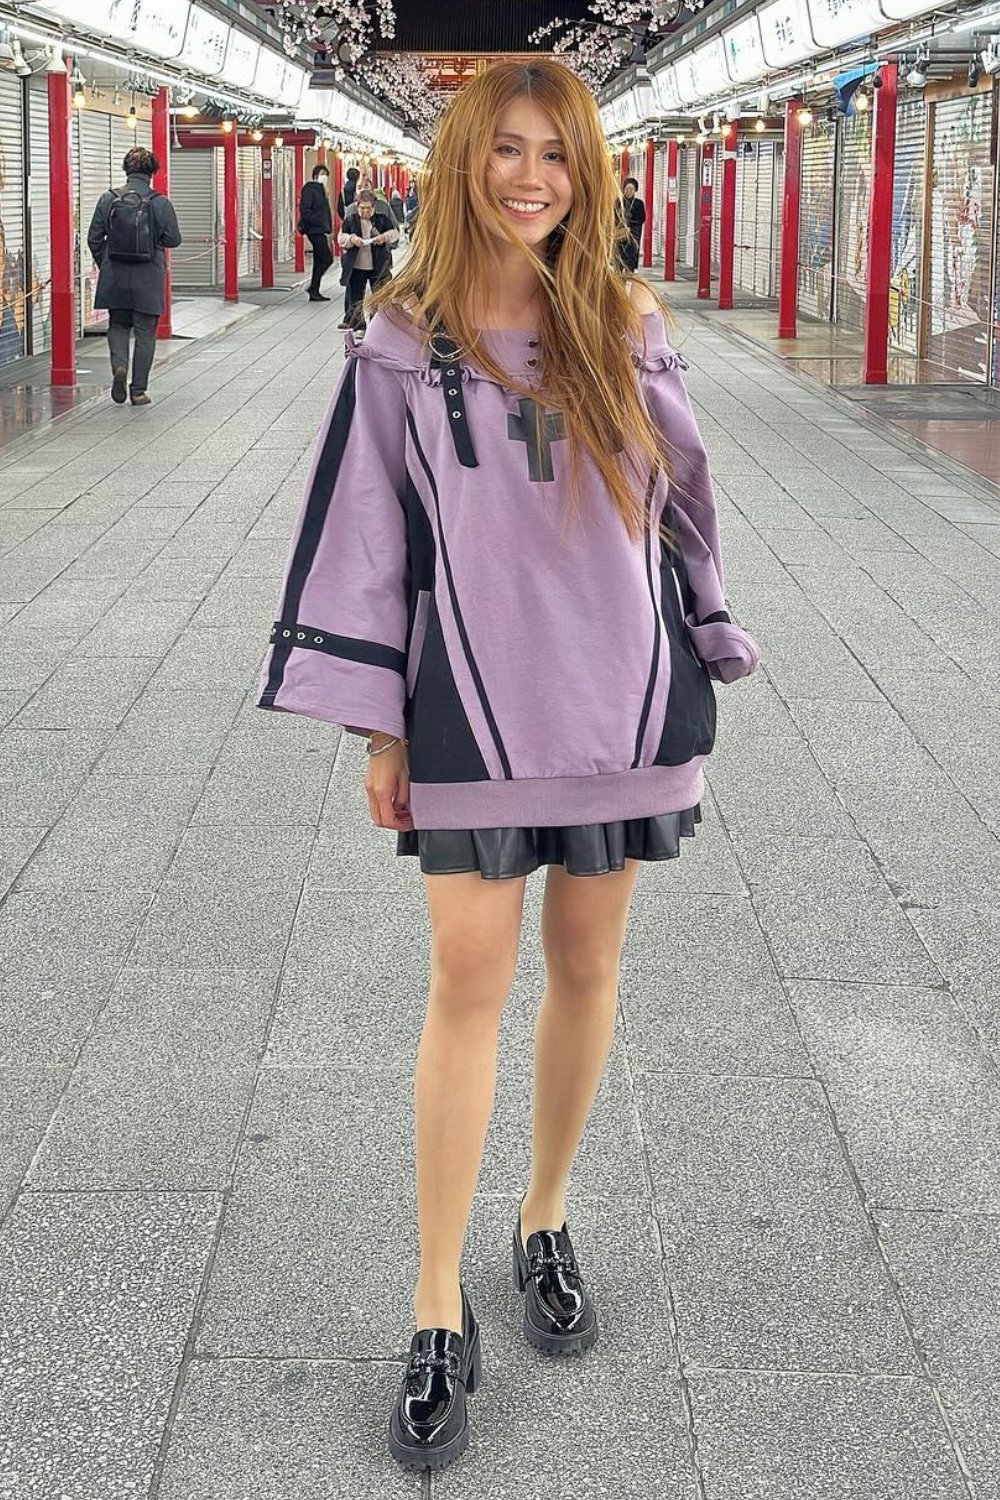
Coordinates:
(642, 297)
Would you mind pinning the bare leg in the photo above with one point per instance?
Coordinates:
(475, 926)
(583, 927)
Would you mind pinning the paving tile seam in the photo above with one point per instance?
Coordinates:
(21, 1181)
(68, 422)
(870, 1218)
(198, 1312)
(674, 1340)
(905, 443)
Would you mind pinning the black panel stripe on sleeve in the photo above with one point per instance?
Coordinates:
(484, 702)
(312, 638)
(721, 617)
(320, 495)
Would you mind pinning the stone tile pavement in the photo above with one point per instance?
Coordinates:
(789, 1198)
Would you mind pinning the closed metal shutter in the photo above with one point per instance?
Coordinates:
(38, 205)
(768, 234)
(193, 193)
(248, 181)
(687, 174)
(754, 260)
(816, 228)
(854, 181)
(94, 177)
(907, 225)
(283, 193)
(958, 330)
(746, 215)
(13, 280)
(656, 208)
(716, 205)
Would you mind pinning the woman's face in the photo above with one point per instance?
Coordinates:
(528, 175)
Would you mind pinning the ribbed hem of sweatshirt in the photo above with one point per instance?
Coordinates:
(558, 801)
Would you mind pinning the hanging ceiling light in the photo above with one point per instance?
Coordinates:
(227, 126)
(78, 83)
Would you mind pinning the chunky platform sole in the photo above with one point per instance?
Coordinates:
(412, 1457)
(577, 1342)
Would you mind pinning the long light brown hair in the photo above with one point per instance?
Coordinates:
(586, 314)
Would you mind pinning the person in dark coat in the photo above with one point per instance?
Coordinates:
(346, 195)
(365, 240)
(133, 291)
(316, 223)
(635, 218)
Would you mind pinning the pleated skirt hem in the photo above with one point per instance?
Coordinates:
(585, 849)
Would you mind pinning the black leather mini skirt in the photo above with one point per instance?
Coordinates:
(585, 849)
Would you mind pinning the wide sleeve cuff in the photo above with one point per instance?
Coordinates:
(727, 651)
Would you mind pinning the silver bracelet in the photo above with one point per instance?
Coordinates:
(396, 740)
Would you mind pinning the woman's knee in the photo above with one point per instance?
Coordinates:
(474, 939)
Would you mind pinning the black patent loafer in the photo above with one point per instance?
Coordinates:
(559, 1317)
(429, 1425)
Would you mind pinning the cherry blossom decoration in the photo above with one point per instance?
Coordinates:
(619, 34)
(402, 81)
(348, 29)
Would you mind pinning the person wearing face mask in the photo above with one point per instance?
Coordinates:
(506, 574)
(316, 223)
(365, 241)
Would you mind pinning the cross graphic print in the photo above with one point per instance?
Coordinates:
(525, 429)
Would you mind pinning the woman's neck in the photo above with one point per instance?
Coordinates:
(513, 300)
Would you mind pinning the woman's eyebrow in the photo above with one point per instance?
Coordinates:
(509, 135)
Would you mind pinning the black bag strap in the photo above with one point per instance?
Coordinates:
(444, 357)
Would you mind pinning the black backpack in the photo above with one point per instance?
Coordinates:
(131, 231)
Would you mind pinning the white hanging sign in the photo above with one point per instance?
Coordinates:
(903, 10)
(665, 84)
(152, 26)
(785, 33)
(709, 65)
(744, 51)
(241, 59)
(205, 43)
(687, 86)
(270, 74)
(835, 22)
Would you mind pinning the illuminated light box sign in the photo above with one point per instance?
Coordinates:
(835, 22)
(785, 33)
(744, 51)
(687, 85)
(665, 84)
(242, 56)
(153, 26)
(709, 67)
(205, 43)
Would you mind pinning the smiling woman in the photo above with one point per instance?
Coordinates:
(506, 572)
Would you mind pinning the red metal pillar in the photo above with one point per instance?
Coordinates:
(727, 218)
(624, 172)
(705, 222)
(230, 220)
(300, 177)
(651, 207)
(788, 266)
(266, 219)
(60, 175)
(161, 184)
(670, 216)
(876, 366)
(338, 187)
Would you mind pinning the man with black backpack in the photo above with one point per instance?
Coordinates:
(131, 228)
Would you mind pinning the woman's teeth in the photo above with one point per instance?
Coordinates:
(521, 207)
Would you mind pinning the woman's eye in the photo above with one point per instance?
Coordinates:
(507, 147)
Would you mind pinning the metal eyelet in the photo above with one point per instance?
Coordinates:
(300, 635)
(456, 414)
(318, 639)
(286, 633)
(532, 343)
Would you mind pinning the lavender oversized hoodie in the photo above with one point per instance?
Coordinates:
(545, 671)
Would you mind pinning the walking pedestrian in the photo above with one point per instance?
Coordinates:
(506, 573)
(365, 241)
(412, 209)
(396, 208)
(130, 229)
(634, 213)
(316, 223)
(346, 195)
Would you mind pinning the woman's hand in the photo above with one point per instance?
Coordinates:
(387, 787)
